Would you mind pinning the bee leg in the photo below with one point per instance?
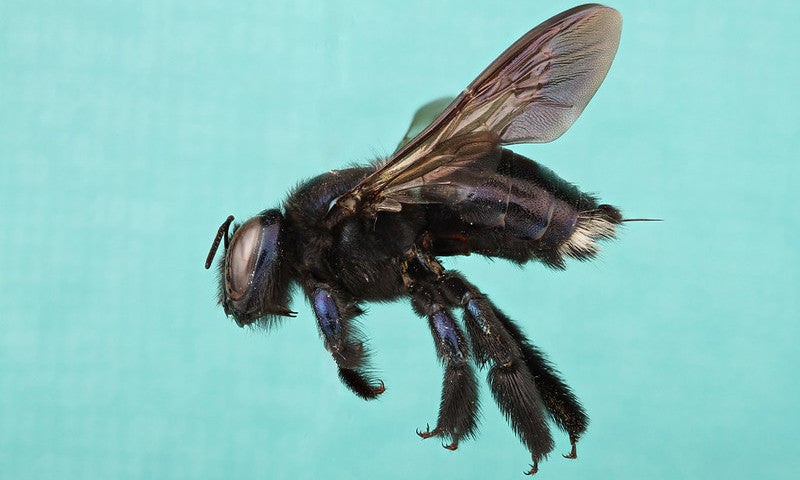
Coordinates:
(563, 406)
(516, 361)
(510, 380)
(458, 410)
(419, 264)
(335, 313)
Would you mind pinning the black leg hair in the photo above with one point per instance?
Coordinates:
(335, 312)
(510, 380)
(521, 379)
(523, 383)
(458, 410)
(561, 403)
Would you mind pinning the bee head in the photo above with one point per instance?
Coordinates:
(254, 283)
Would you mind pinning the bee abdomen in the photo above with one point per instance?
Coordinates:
(524, 211)
(590, 226)
(562, 221)
(556, 229)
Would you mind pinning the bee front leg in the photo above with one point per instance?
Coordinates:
(335, 312)
(458, 410)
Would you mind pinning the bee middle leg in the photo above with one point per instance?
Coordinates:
(458, 410)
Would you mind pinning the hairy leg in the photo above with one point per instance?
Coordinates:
(458, 410)
(335, 312)
(523, 382)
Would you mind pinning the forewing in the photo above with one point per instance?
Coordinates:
(532, 93)
(538, 87)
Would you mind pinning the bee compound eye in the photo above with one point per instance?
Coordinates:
(242, 256)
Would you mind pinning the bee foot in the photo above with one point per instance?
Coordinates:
(428, 433)
(573, 453)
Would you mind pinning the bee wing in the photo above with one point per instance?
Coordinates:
(532, 93)
(424, 116)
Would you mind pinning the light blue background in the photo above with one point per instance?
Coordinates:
(130, 129)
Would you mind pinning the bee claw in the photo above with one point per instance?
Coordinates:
(380, 388)
(572, 454)
(427, 433)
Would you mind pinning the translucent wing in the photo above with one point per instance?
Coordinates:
(423, 117)
(532, 93)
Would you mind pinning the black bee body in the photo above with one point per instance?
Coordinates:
(376, 233)
(362, 255)
(366, 255)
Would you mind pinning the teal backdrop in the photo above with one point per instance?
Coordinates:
(130, 129)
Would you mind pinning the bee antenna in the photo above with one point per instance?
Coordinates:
(222, 232)
(642, 219)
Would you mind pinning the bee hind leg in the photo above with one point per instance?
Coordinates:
(526, 387)
(560, 401)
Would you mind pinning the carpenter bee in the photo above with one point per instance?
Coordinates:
(376, 233)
